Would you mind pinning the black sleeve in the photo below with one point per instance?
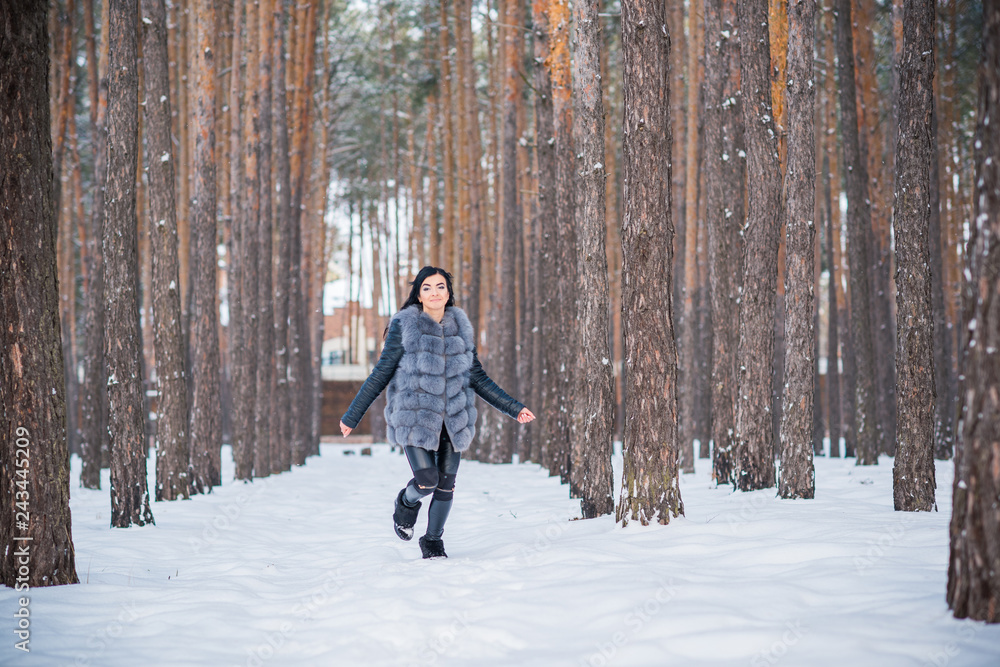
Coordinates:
(380, 376)
(490, 392)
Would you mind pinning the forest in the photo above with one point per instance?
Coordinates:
(752, 233)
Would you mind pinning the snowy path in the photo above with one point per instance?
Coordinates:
(304, 569)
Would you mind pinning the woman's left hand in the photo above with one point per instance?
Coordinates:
(525, 416)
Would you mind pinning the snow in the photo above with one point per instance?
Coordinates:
(303, 568)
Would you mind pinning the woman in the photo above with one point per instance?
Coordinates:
(430, 367)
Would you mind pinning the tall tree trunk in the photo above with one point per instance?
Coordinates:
(974, 563)
(172, 443)
(565, 258)
(613, 219)
(545, 220)
(505, 356)
(944, 400)
(833, 378)
(650, 484)
(797, 473)
(35, 460)
(839, 276)
(754, 455)
(447, 255)
(234, 337)
(246, 348)
(264, 462)
(122, 337)
(724, 189)
(593, 411)
(206, 406)
(281, 418)
(94, 387)
(872, 144)
(688, 348)
(913, 469)
(859, 229)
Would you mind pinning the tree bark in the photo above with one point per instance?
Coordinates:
(650, 485)
(872, 145)
(281, 421)
(264, 463)
(688, 349)
(974, 563)
(34, 474)
(798, 478)
(172, 443)
(913, 469)
(122, 337)
(206, 406)
(545, 220)
(724, 216)
(858, 228)
(593, 411)
(505, 357)
(94, 387)
(566, 285)
(754, 458)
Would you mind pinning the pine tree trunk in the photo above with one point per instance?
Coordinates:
(264, 460)
(234, 334)
(504, 356)
(447, 254)
(872, 145)
(122, 336)
(944, 401)
(592, 410)
(566, 285)
(833, 314)
(797, 473)
(650, 484)
(94, 387)
(281, 418)
(246, 349)
(859, 228)
(723, 215)
(974, 564)
(172, 443)
(545, 220)
(206, 407)
(35, 523)
(913, 469)
(688, 345)
(754, 449)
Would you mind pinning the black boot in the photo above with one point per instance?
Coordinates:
(404, 517)
(432, 548)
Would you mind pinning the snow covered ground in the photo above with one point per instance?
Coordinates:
(304, 569)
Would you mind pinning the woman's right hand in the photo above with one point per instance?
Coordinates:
(345, 429)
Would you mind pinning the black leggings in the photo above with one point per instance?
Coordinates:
(433, 472)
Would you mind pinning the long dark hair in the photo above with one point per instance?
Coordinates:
(414, 298)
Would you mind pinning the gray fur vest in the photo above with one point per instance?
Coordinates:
(430, 387)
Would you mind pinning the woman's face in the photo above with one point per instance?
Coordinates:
(434, 292)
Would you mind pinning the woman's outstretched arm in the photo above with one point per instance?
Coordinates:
(494, 395)
(380, 376)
